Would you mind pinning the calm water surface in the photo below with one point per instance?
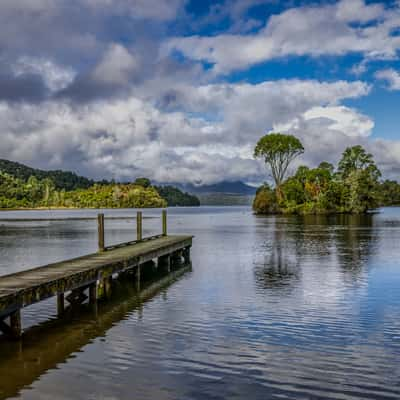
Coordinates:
(274, 307)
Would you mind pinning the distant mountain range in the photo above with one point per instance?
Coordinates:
(225, 193)
(224, 187)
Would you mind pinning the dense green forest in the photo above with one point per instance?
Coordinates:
(176, 197)
(16, 193)
(61, 179)
(25, 187)
(353, 186)
(389, 193)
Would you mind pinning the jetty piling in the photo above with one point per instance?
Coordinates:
(89, 278)
(164, 222)
(139, 226)
(100, 229)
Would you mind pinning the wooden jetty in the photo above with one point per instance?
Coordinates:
(88, 277)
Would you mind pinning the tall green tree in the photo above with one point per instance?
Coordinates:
(357, 159)
(48, 191)
(360, 176)
(278, 151)
(143, 182)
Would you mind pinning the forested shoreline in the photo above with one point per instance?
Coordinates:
(21, 187)
(354, 186)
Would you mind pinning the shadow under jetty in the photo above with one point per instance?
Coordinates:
(45, 346)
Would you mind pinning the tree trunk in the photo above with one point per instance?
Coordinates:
(279, 194)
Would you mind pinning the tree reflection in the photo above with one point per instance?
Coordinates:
(293, 245)
(356, 241)
(278, 266)
(350, 237)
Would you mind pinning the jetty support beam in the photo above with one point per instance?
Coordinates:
(107, 284)
(164, 262)
(77, 296)
(103, 288)
(14, 328)
(176, 258)
(60, 303)
(93, 293)
(186, 254)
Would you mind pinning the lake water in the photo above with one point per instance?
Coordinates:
(273, 308)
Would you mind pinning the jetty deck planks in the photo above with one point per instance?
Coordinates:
(92, 272)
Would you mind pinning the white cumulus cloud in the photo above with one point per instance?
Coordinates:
(55, 76)
(116, 65)
(391, 76)
(210, 137)
(307, 30)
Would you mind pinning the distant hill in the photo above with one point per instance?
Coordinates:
(226, 187)
(175, 197)
(86, 194)
(225, 193)
(62, 179)
(225, 199)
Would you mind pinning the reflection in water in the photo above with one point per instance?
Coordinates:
(295, 240)
(321, 305)
(280, 264)
(276, 307)
(46, 346)
(356, 242)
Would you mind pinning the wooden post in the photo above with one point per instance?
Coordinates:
(186, 255)
(139, 227)
(164, 262)
(176, 257)
(164, 222)
(100, 226)
(60, 304)
(93, 293)
(15, 324)
(107, 284)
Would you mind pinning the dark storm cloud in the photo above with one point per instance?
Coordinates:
(77, 31)
(85, 89)
(26, 87)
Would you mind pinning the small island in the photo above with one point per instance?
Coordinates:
(353, 186)
(22, 187)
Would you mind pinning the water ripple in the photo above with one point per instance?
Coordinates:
(275, 308)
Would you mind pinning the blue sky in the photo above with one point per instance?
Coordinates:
(381, 104)
(181, 90)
